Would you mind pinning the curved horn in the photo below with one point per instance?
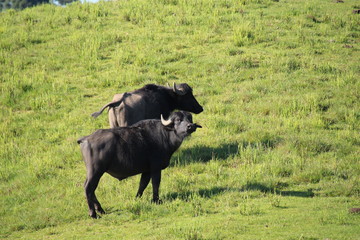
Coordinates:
(165, 122)
(177, 91)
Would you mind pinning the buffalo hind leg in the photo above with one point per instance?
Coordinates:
(144, 181)
(112, 118)
(155, 180)
(98, 205)
(91, 184)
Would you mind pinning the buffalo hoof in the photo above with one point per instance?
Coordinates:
(93, 215)
(101, 211)
(157, 201)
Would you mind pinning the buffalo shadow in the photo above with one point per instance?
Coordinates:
(215, 191)
(203, 154)
(200, 153)
(255, 186)
(208, 193)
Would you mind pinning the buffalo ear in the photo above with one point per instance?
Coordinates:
(178, 91)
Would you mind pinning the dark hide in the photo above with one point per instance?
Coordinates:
(149, 102)
(144, 148)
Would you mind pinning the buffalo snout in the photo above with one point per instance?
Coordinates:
(199, 110)
(191, 127)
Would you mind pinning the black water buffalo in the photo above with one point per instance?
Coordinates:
(145, 147)
(149, 102)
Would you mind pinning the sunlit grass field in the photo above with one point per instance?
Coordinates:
(278, 154)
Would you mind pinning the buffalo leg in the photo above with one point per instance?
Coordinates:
(95, 201)
(112, 118)
(98, 205)
(144, 181)
(91, 184)
(155, 180)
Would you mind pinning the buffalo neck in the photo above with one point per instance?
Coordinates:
(170, 98)
(170, 138)
(165, 138)
(162, 137)
(175, 139)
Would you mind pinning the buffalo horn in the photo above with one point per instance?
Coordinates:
(177, 91)
(165, 122)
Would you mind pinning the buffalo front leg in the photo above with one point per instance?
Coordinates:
(91, 184)
(155, 180)
(144, 181)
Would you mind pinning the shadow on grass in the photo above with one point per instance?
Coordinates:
(112, 210)
(204, 193)
(266, 189)
(209, 193)
(215, 191)
(205, 153)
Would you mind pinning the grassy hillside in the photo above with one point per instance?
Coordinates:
(278, 157)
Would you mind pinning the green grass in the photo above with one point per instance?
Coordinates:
(278, 154)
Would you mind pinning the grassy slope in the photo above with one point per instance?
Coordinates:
(278, 157)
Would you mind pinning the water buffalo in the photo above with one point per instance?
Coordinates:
(149, 102)
(143, 148)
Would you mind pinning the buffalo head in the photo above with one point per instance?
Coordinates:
(185, 98)
(181, 122)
